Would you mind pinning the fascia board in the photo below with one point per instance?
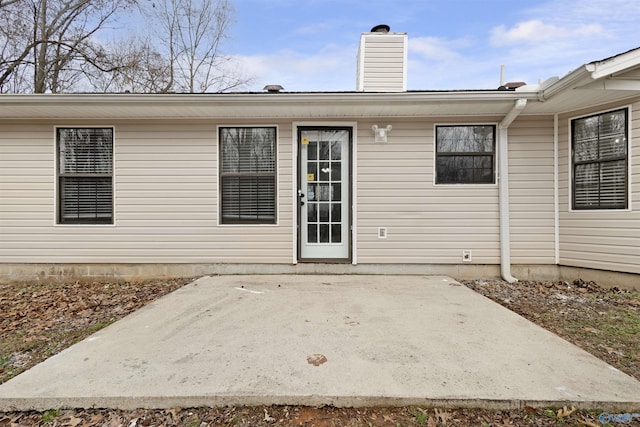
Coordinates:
(616, 64)
(575, 78)
(281, 98)
(146, 106)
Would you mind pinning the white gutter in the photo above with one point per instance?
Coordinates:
(505, 240)
(569, 81)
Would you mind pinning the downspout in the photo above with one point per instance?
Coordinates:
(556, 203)
(505, 239)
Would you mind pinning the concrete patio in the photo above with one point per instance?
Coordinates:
(315, 340)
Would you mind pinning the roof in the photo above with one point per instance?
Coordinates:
(613, 79)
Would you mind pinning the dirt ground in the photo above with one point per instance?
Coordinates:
(40, 319)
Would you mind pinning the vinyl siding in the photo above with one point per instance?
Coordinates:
(166, 200)
(428, 223)
(531, 190)
(382, 63)
(600, 239)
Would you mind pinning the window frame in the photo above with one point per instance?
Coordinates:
(221, 175)
(59, 205)
(572, 163)
(493, 154)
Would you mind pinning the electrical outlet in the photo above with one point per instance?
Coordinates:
(382, 233)
(466, 255)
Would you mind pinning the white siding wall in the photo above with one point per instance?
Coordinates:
(165, 200)
(531, 190)
(606, 240)
(434, 224)
(166, 176)
(382, 63)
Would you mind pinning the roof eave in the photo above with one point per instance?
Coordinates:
(591, 72)
(577, 77)
(246, 106)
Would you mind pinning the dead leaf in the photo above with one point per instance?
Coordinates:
(316, 359)
(530, 409)
(268, 418)
(431, 422)
(594, 330)
(443, 416)
(587, 423)
(564, 412)
(507, 422)
(72, 421)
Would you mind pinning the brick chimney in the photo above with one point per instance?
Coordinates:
(382, 61)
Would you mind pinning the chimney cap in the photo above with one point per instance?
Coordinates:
(273, 88)
(382, 28)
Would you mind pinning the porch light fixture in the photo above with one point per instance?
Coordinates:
(381, 133)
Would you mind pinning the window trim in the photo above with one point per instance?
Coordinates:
(495, 154)
(57, 205)
(570, 163)
(276, 221)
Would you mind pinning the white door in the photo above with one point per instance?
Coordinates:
(323, 193)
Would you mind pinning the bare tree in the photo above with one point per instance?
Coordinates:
(4, 3)
(54, 41)
(52, 46)
(141, 69)
(193, 32)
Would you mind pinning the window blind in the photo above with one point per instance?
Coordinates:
(248, 174)
(600, 161)
(85, 175)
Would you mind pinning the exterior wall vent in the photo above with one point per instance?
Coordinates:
(382, 61)
(273, 88)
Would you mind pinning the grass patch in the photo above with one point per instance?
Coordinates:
(50, 415)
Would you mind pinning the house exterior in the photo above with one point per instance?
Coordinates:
(540, 181)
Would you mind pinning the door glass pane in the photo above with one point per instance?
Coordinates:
(336, 150)
(336, 192)
(312, 169)
(324, 233)
(336, 171)
(336, 212)
(336, 233)
(324, 192)
(312, 212)
(324, 212)
(312, 150)
(311, 192)
(324, 150)
(324, 171)
(312, 231)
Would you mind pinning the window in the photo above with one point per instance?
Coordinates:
(465, 154)
(599, 161)
(248, 175)
(85, 175)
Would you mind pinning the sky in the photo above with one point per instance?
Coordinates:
(311, 45)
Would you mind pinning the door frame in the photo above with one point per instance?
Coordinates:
(296, 235)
